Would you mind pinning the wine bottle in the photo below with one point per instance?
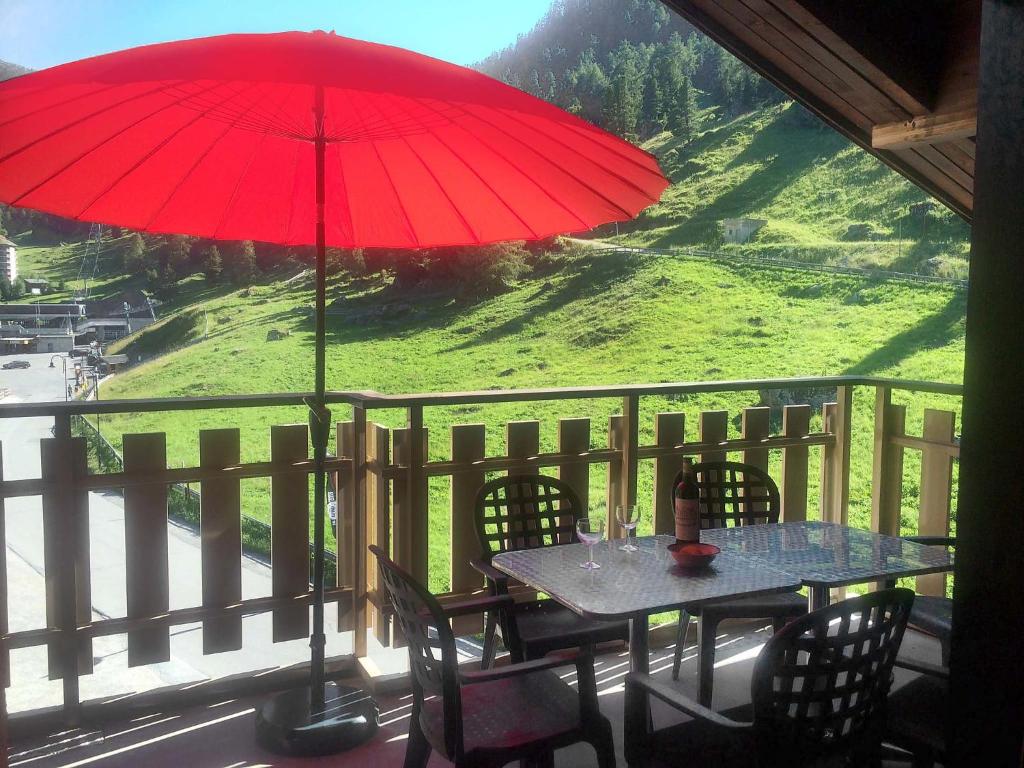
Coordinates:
(687, 505)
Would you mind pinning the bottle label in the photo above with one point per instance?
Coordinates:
(687, 515)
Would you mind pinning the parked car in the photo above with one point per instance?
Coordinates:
(17, 364)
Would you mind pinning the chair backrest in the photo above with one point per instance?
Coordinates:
(820, 684)
(432, 656)
(732, 493)
(525, 511)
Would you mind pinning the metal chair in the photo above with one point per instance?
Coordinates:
(731, 493)
(933, 614)
(487, 718)
(523, 512)
(818, 696)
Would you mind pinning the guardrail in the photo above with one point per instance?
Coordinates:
(382, 480)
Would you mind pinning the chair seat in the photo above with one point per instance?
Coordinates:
(933, 615)
(504, 715)
(694, 743)
(756, 607)
(545, 625)
(915, 714)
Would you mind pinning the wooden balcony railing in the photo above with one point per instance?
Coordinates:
(382, 477)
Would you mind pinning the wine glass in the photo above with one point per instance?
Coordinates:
(627, 517)
(590, 531)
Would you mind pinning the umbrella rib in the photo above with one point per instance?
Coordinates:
(202, 156)
(440, 186)
(238, 185)
(430, 172)
(482, 180)
(82, 119)
(561, 168)
(620, 177)
(89, 151)
(539, 186)
(199, 116)
(348, 202)
(394, 189)
(64, 103)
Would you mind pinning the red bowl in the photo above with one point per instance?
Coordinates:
(693, 554)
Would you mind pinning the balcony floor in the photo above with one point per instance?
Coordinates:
(220, 735)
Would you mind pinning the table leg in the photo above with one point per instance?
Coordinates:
(639, 661)
(817, 597)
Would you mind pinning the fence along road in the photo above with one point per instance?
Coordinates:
(30, 689)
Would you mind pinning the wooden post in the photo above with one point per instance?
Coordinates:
(756, 425)
(887, 465)
(714, 428)
(5, 655)
(220, 539)
(630, 463)
(289, 530)
(345, 540)
(574, 437)
(145, 534)
(357, 497)
(378, 521)
(613, 489)
(522, 439)
(419, 501)
(669, 430)
(987, 666)
(796, 420)
(936, 488)
(468, 445)
(835, 493)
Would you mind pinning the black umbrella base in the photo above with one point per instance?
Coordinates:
(285, 725)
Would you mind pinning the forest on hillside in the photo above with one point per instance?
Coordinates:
(629, 66)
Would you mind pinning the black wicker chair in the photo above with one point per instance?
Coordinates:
(818, 696)
(933, 615)
(487, 718)
(731, 494)
(523, 512)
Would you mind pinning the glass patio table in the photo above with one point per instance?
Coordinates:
(633, 585)
(828, 555)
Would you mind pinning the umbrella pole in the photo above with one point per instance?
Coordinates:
(326, 718)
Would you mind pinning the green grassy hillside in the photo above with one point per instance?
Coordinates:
(584, 319)
(810, 184)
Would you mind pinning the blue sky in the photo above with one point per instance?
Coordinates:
(42, 33)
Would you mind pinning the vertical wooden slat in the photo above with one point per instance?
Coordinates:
(220, 534)
(936, 487)
(344, 541)
(613, 490)
(714, 428)
(796, 421)
(378, 519)
(669, 430)
(419, 500)
(145, 534)
(289, 530)
(359, 532)
(401, 517)
(522, 439)
(836, 508)
(630, 463)
(467, 445)
(574, 437)
(887, 464)
(755, 424)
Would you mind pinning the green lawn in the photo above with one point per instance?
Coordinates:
(590, 320)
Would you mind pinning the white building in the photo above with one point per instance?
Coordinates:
(740, 230)
(8, 259)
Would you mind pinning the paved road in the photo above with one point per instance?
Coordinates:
(30, 688)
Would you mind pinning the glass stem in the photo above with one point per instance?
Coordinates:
(591, 555)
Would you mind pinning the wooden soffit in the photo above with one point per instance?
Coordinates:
(898, 77)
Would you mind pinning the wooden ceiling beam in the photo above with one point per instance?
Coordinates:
(926, 129)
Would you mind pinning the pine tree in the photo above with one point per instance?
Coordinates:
(132, 257)
(241, 265)
(213, 266)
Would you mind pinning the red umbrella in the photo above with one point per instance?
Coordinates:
(301, 138)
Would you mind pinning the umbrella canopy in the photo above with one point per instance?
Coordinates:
(215, 138)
